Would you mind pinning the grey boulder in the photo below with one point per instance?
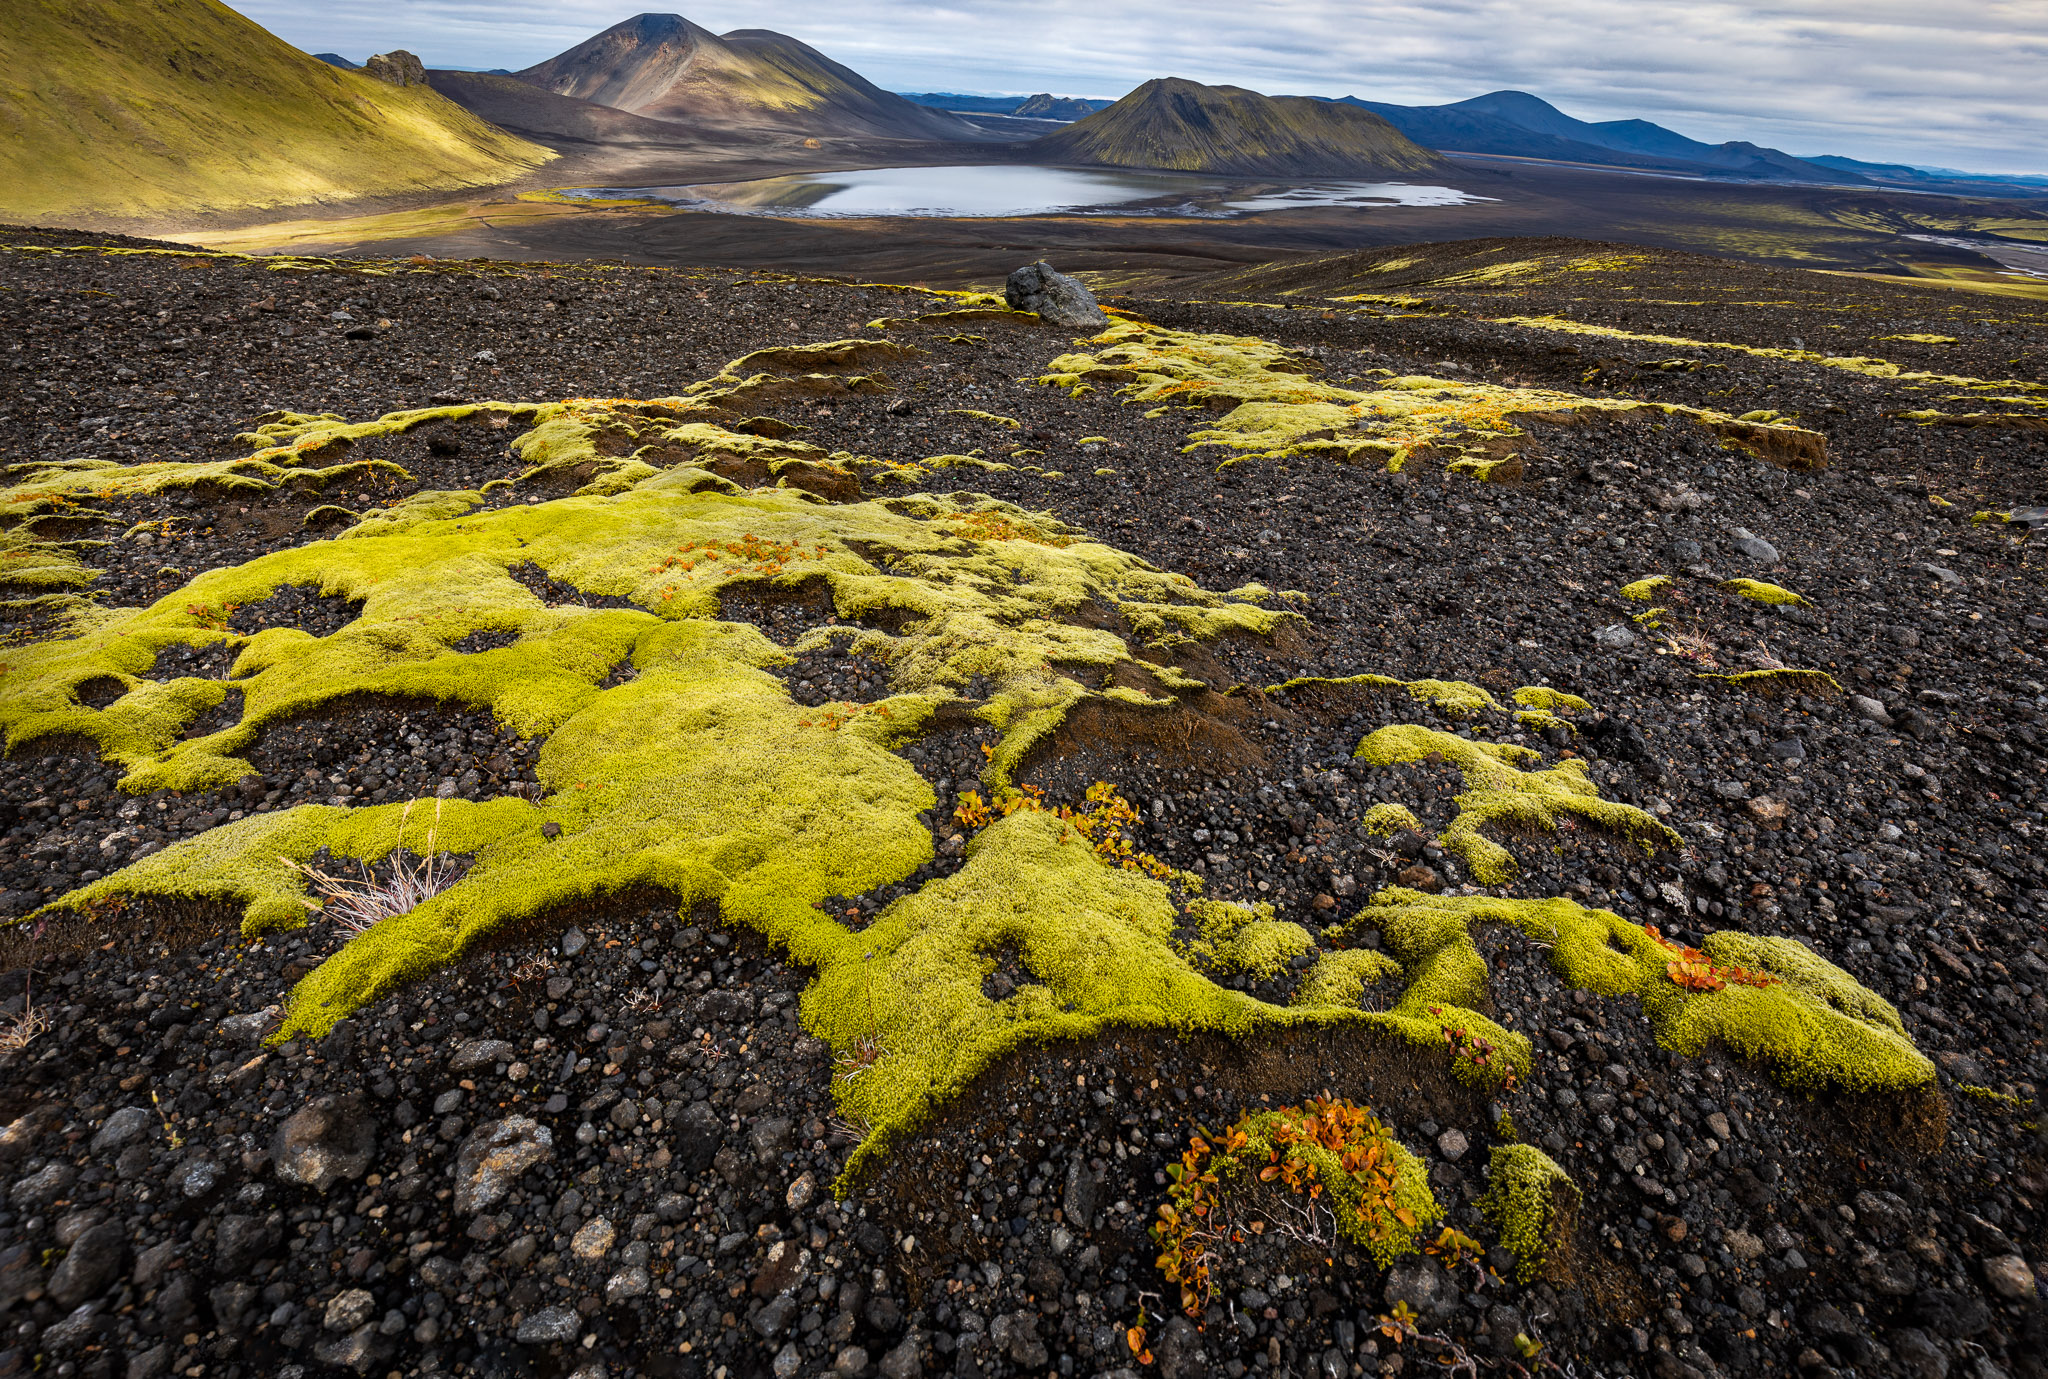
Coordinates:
(1057, 299)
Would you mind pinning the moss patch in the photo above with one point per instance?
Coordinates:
(1531, 1203)
(1268, 406)
(1756, 591)
(1812, 1028)
(1499, 795)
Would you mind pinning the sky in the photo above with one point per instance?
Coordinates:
(1958, 84)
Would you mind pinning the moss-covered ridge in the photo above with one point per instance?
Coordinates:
(1502, 797)
(1813, 1027)
(1270, 409)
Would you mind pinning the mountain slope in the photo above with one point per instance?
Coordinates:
(1184, 126)
(541, 115)
(142, 109)
(1517, 124)
(666, 68)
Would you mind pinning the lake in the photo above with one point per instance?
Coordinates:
(1013, 190)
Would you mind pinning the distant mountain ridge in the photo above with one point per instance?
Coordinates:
(1517, 124)
(1043, 106)
(663, 67)
(1184, 126)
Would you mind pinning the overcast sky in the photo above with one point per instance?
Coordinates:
(1957, 84)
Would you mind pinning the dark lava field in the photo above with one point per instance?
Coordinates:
(608, 1132)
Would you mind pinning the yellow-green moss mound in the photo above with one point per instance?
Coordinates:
(1811, 1025)
(1531, 1203)
(1498, 795)
(1269, 408)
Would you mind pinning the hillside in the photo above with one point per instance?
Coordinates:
(1517, 124)
(163, 108)
(545, 117)
(666, 68)
(1185, 126)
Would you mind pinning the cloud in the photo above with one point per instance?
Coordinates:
(1955, 84)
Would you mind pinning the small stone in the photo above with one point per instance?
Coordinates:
(1752, 545)
(774, 1319)
(594, 1240)
(788, 1361)
(478, 1053)
(2010, 1277)
(903, 1362)
(573, 942)
(348, 1310)
(123, 1128)
(1452, 1144)
(1686, 552)
(551, 830)
(321, 1144)
(495, 1154)
(1949, 578)
(800, 1192)
(92, 1262)
(1769, 812)
(550, 1324)
(627, 1283)
(1614, 637)
(1869, 708)
(1791, 751)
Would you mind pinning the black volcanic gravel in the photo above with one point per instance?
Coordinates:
(1729, 1228)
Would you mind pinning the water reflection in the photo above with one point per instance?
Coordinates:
(979, 191)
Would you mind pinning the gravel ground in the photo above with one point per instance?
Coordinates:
(607, 1146)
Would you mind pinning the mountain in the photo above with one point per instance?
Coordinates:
(541, 115)
(666, 68)
(1949, 180)
(966, 105)
(1184, 126)
(137, 110)
(1517, 124)
(337, 60)
(1043, 106)
(1046, 106)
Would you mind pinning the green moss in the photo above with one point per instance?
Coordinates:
(1815, 1028)
(1775, 683)
(1454, 698)
(1340, 979)
(1643, 590)
(699, 776)
(1756, 591)
(1234, 938)
(1871, 368)
(1344, 1191)
(1268, 407)
(1385, 820)
(1499, 795)
(1550, 700)
(1531, 1203)
(990, 417)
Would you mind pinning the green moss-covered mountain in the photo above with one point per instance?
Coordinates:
(147, 109)
(666, 68)
(1188, 127)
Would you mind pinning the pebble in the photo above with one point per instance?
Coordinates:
(493, 1156)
